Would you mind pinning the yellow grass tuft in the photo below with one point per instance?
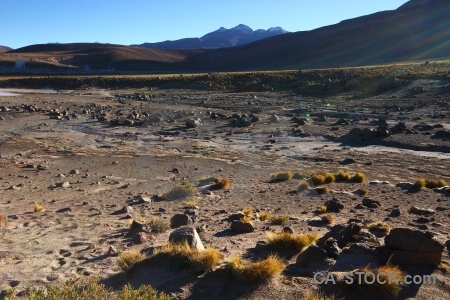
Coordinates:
(282, 176)
(318, 179)
(220, 184)
(444, 267)
(358, 177)
(329, 219)
(329, 178)
(342, 176)
(247, 211)
(322, 209)
(38, 207)
(258, 271)
(3, 222)
(128, 259)
(362, 191)
(378, 226)
(279, 220)
(288, 241)
(429, 183)
(301, 175)
(140, 219)
(264, 215)
(420, 183)
(304, 185)
(246, 219)
(184, 256)
(322, 190)
(181, 191)
(191, 203)
(317, 295)
(158, 226)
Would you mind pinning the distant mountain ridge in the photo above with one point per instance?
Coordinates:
(221, 38)
(4, 49)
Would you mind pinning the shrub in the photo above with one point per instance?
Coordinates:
(220, 184)
(304, 185)
(181, 191)
(318, 179)
(3, 222)
(329, 178)
(342, 176)
(128, 259)
(358, 177)
(182, 256)
(246, 219)
(322, 190)
(378, 226)
(301, 175)
(247, 211)
(264, 215)
(282, 176)
(279, 220)
(432, 184)
(91, 289)
(322, 209)
(261, 270)
(288, 241)
(191, 203)
(329, 219)
(38, 207)
(158, 226)
(420, 183)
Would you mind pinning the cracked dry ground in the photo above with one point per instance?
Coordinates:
(116, 164)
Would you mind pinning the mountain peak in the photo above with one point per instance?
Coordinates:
(242, 27)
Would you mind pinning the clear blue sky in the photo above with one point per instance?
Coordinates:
(26, 22)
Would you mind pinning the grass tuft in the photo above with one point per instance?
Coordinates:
(279, 220)
(288, 241)
(247, 211)
(378, 226)
(220, 184)
(322, 190)
(246, 219)
(304, 185)
(38, 207)
(191, 203)
(342, 176)
(358, 178)
(182, 256)
(322, 209)
(362, 192)
(318, 179)
(429, 183)
(282, 176)
(128, 259)
(262, 270)
(264, 215)
(158, 226)
(181, 191)
(3, 222)
(329, 219)
(317, 295)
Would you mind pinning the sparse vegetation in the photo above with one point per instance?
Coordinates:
(220, 184)
(329, 178)
(181, 191)
(362, 191)
(38, 207)
(317, 295)
(342, 176)
(246, 219)
(329, 219)
(301, 175)
(93, 290)
(128, 259)
(181, 256)
(282, 176)
(318, 179)
(322, 209)
(279, 220)
(429, 183)
(444, 266)
(191, 203)
(264, 215)
(3, 222)
(258, 271)
(358, 178)
(382, 274)
(378, 226)
(304, 185)
(289, 241)
(322, 190)
(247, 211)
(158, 226)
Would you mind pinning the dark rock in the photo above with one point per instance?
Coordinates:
(186, 234)
(288, 229)
(180, 220)
(341, 233)
(236, 216)
(369, 202)
(348, 161)
(331, 247)
(310, 256)
(140, 237)
(112, 251)
(242, 227)
(137, 227)
(421, 211)
(334, 205)
(395, 212)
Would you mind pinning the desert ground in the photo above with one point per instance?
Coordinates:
(97, 158)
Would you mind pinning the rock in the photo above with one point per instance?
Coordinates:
(137, 227)
(140, 237)
(334, 205)
(112, 251)
(405, 185)
(348, 161)
(142, 199)
(331, 247)
(395, 212)
(52, 277)
(236, 216)
(14, 283)
(341, 233)
(192, 123)
(287, 229)
(423, 220)
(180, 220)
(369, 132)
(368, 202)
(14, 187)
(186, 234)
(413, 247)
(64, 184)
(398, 128)
(383, 131)
(421, 211)
(74, 172)
(274, 118)
(242, 227)
(193, 214)
(310, 256)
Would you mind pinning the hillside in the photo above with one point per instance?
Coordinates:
(4, 49)
(221, 38)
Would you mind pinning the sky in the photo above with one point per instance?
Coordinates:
(27, 22)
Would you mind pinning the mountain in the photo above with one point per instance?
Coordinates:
(221, 38)
(417, 30)
(4, 49)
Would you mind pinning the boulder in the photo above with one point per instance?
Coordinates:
(370, 202)
(334, 205)
(310, 256)
(341, 233)
(421, 211)
(192, 123)
(332, 248)
(180, 220)
(186, 234)
(242, 227)
(413, 247)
